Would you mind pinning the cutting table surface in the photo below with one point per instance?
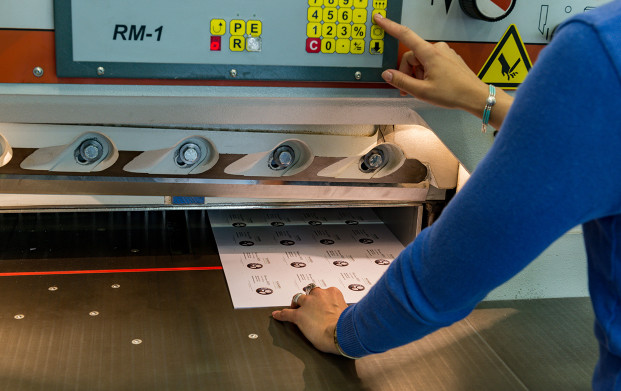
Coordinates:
(99, 321)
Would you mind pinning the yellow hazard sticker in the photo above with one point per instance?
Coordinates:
(509, 63)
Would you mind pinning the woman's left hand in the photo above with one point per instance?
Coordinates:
(316, 315)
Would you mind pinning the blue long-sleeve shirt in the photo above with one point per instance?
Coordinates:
(556, 163)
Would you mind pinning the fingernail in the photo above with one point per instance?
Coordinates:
(386, 75)
(274, 314)
(378, 16)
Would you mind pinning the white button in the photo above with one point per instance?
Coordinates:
(253, 44)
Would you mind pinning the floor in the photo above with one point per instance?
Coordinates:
(137, 301)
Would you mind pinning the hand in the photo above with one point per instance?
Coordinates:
(316, 316)
(436, 74)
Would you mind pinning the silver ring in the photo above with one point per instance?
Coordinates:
(295, 299)
(308, 288)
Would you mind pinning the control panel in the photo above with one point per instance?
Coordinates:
(314, 40)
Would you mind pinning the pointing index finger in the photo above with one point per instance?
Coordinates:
(408, 37)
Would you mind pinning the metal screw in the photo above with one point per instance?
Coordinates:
(358, 75)
(233, 72)
(134, 250)
(136, 341)
(375, 160)
(188, 154)
(100, 71)
(93, 313)
(372, 161)
(281, 158)
(38, 71)
(115, 286)
(52, 288)
(253, 336)
(88, 152)
(20, 316)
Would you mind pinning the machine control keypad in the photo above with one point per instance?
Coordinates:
(340, 26)
(245, 35)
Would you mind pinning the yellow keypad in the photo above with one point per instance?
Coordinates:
(328, 45)
(357, 46)
(342, 46)
(381, 12)
(359, 31)
(254, 28)
(314, 14)
(330, 15)
(343, 31)
(380, 4)
(377, 32)
(328, 30)
(238, 27)
(335, 26)
(359, 16)
(313, 30)
(376, 46)
(245, 34)
(217, 27)
(345, 15)
(237, 43)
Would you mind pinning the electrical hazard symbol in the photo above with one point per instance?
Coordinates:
(509, 63)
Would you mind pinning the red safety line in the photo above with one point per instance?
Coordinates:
(160, 269)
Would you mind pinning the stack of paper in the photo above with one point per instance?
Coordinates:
(269, 255)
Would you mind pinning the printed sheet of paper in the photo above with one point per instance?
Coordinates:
(269, 255)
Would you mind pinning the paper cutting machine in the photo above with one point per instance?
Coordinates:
(122, 123)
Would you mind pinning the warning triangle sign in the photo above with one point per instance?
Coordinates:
(509, 63)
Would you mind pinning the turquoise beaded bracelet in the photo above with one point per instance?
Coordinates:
(489, 103)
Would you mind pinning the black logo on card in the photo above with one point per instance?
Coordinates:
(298, 264)
(314, 222)
(365, 241)
(351, 222)
(277, 223)
(254, 266)
(239, 225)
(356, 287)
(287, 242)
(340, 263)
(265, 291)
(326, 241)
(246, 243)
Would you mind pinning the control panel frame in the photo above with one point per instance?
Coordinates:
(67, 67)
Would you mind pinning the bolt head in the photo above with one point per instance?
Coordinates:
(233, 73)
(285, 158)
(91, 152)
(358, 75)
(375, 160)
(190, 155)
(100, 71)
(38, 71)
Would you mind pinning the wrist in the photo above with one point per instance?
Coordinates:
(338, 347)
(476, 100)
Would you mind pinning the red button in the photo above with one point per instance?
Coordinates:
(313, 45)
(216, 44)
